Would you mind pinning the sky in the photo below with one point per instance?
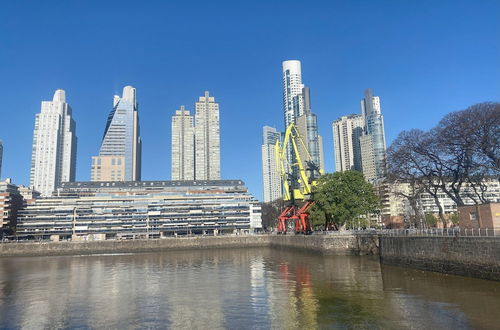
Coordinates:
(423, 59)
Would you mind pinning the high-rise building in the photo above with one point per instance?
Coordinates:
(373, 147)
(53, 157)
(307, 125)
(293, 100)
(297, 110)
(1, 154)
(207, 139)
(120, 154)
(271, 180)
(182, 145)
(346, 133)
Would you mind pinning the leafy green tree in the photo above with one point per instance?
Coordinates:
(454, 218)
(343, 198)
(430, 219)
(270, 213)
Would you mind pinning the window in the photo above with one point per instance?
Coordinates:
(473, 216)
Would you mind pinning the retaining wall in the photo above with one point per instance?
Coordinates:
(467, 256)
(328, 244)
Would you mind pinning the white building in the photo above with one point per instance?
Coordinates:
(396, 207)
(271, 180)
(1, 154)
(346, 133)
(293, 101)
(54, 145)
(182, 145)
(207, 139)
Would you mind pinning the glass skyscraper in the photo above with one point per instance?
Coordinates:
(120, 154)
(373, 147)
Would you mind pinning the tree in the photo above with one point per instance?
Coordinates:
(270, 213)
(342, 198)
(455, 156)
(430, 219)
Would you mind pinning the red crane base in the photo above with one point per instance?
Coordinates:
(299, 216)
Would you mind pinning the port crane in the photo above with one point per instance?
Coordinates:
(296, 185)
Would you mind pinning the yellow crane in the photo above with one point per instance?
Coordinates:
(296, 184)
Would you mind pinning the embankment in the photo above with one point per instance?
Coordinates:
(328, 244)
(467, 256)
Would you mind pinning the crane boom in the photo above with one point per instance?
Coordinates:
(296, 184)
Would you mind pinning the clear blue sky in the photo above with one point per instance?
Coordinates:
(423, 58)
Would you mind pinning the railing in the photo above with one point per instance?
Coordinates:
(463, 232)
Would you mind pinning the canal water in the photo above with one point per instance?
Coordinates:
(237, 289)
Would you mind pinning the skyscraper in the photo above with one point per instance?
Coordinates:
(53, 156)
(346, 133)
(297, 110)
(373, 147)
(120, 154)
(271, 180)
(293, 102)
(207, 139)
(182, 145)
(1, 154)
(307, 125)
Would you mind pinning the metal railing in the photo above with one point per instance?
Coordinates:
(455, 231)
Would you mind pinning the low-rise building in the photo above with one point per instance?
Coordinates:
(480, 216)
(396, 208)
(11, 200)
(145, 209)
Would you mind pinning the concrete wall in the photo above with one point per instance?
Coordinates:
(466, 256)
(328, 244)
(139, 245)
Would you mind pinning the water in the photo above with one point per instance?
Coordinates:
(237, 289)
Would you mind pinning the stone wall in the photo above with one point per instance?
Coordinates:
(328, 244)
(124, 246)
(467, 256)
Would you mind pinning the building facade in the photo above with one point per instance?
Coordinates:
(12, 198)
(207, 139)
(271, 179)
(293, 100)
(372, 143)
(347, 131)
(10, 202)
(146, 209)
(182, 145)
(396, 209)
(120, 153)
(1, 157)
(307, 126)
(53, 158)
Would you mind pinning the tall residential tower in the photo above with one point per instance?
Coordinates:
(293, 101)
(373, 147)
(1, 154)
(346, 133)
(182, 145)
(120, 154)
(307, 125)
(207, 139)
(53, 154)
(271, 180)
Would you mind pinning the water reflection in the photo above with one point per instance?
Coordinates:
(241, 288)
